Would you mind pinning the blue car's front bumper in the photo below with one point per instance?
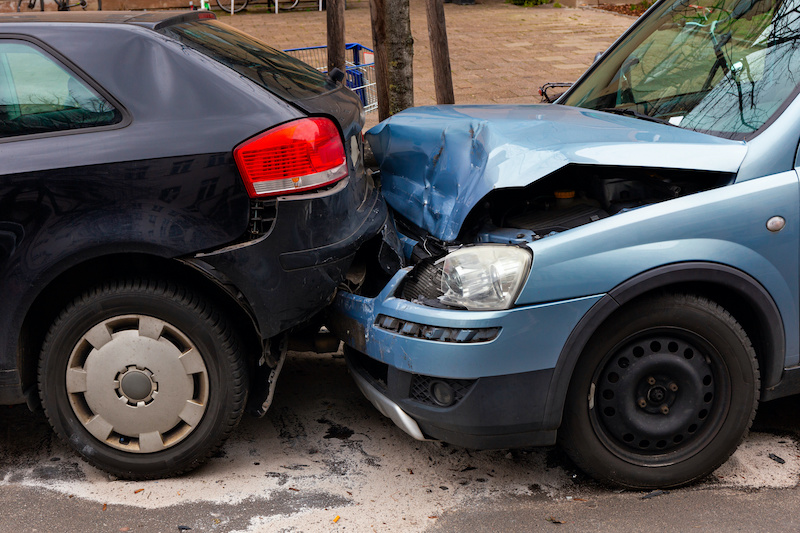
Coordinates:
(498, 364)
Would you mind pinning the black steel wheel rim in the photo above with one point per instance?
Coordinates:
(659, 396)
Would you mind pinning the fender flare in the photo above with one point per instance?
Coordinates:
(770, 322)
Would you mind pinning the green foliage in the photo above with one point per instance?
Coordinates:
(528, 3)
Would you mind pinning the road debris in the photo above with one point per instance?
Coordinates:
(777, 459)
(654, 493)
(553, 520)
(137, 491)
(336, 519)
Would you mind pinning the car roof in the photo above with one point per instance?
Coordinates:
(149, 19)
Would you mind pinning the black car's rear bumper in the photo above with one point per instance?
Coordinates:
(289, 274)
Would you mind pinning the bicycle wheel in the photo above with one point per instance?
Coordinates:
(285, 5)
(238, 5)
(31, 5)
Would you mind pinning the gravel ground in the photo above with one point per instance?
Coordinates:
(323, 452)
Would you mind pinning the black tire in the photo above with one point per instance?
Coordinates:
(238, 5)
(662, 395)
(143, 379)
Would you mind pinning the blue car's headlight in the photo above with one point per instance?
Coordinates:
(484, 277)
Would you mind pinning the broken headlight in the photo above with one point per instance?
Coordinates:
(484, 277)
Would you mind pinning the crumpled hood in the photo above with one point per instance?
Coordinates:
(438, 162)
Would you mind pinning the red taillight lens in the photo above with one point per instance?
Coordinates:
(297, 156)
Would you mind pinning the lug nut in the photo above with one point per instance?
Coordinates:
(673, 387)
(651, 380)
(665, 409)
(642, 402)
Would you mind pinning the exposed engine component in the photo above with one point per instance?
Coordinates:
(557, 220)
(578, 195)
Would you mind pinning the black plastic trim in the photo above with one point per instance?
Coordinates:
(496, 412)
(790, 384)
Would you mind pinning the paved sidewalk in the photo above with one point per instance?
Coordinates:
(499, 53)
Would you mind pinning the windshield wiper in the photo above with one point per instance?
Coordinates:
(636, 114)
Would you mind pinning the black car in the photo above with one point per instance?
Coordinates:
(174, 196)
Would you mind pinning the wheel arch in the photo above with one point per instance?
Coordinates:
(741, 295)
(69, 284)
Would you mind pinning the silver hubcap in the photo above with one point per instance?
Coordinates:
(137, 383)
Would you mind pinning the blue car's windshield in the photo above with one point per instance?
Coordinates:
(724, 67)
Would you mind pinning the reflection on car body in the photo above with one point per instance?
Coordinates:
(617, 271)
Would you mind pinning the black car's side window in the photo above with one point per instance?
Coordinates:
(39, 95)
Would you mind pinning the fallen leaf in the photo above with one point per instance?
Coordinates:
(105, 506)
(554, 520)
(294, 489)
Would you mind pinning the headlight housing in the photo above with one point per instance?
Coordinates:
(484, 277)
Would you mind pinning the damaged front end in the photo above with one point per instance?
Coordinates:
(460, 176)
(444, 317)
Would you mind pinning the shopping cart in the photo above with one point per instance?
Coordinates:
(359, 67)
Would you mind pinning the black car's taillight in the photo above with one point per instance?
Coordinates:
(297, 156)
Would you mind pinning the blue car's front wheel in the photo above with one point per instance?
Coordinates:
(663, 395)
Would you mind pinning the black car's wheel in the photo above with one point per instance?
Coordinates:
(663, 395)
(142, 378)
(238, 5)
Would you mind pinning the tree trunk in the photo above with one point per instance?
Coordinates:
(377, 12)
(440, 52)
(400, 55)
(335, 14)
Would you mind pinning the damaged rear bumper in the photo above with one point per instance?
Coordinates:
(400, 353)
(292, 272)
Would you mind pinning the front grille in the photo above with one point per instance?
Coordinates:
(421, 388)
(435, 333)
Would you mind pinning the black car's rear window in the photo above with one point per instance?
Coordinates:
(277, 72)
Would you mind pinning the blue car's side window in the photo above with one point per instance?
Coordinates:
(39, 95)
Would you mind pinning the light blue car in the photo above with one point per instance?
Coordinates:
(617, 272)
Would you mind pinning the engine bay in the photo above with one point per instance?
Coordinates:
(577, 195)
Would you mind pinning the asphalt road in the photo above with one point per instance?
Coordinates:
(323, 452)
